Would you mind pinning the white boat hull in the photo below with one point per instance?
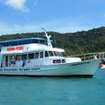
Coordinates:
(83, 68)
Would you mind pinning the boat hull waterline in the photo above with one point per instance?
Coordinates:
(77, 69)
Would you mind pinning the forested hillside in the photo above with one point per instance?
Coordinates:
(74, 43)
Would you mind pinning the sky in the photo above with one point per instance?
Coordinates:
(22, 16)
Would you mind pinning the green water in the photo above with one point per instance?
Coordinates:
(53, 91)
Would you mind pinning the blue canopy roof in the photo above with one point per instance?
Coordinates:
(22, 41)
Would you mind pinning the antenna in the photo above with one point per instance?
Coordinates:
(48, 37)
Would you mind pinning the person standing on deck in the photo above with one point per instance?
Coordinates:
(13, 61)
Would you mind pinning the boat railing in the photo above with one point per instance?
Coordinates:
(90, 56)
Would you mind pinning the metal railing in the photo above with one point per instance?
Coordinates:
(90, 56)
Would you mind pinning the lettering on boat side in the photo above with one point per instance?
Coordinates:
(76, 64)
(15, 48)
(26, 69)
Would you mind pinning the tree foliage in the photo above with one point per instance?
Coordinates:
(74, 43)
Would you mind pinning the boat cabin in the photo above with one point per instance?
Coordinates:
(28, 52)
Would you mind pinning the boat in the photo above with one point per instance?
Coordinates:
(37, 57)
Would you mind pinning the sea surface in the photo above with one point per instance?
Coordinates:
(53, 91)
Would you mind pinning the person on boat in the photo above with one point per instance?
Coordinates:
(101, 63)
(13, 62)
(24, 61)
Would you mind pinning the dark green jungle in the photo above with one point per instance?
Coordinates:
(74, 43)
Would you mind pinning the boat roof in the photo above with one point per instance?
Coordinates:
(22, 41)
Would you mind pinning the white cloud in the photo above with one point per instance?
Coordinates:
(17, 4)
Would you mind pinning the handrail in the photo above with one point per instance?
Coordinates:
(90, 56)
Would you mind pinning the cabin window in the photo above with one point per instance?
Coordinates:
(34, 41)
(55, 53)
(18, 57)
(37, 55)
(60, 54)
(31, 56)
(51, 53)
(63, 61)
(24, 57)
(46, 54)
(6, 59)
(57, 61)
(41, 54)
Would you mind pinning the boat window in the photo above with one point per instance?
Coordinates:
(63, 61)
(18, 57)
(46, 54)
(6, 59)
(34, 41)
(37, 55)
(55, 53)
(51, 53)
(57, 61)
(24, 56)
(60, 54)
(31, 56)
(41, 54)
